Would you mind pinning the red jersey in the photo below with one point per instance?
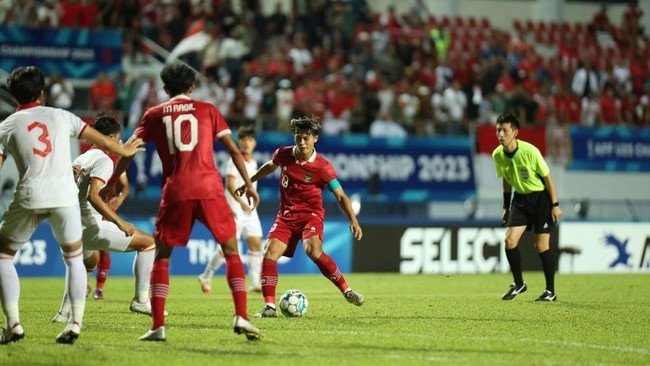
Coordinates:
(184, 131)
(302, 182)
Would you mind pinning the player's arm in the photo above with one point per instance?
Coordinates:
(556, 212)
(507, 196)
(231, 186)
(128, 149)
(344, 202)
(116, 199)
(266, 169)
(238, 160)
(102, 207)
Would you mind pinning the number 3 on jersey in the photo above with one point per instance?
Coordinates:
(174, 128)
(43, 137)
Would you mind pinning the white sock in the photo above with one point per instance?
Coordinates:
(142, 271)
(255, 267)
(65, 303)
(215, 263)
(77, 282)
(9, 289)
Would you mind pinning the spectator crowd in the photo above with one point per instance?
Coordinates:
(382, 73)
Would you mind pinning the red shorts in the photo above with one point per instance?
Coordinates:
(295, 227)
(175, 221)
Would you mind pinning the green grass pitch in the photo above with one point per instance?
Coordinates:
(407, 320)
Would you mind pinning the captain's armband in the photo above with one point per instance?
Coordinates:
(333, 185)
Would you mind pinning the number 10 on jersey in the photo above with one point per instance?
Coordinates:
(174, 128)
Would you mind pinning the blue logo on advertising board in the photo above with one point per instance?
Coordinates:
(622, 257)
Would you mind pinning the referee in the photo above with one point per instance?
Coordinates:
(534, 204)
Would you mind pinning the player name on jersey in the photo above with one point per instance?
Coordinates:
(174, 108)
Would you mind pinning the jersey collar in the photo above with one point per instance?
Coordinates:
(511, 154)
(181, 96)
(27, 105)
(311, 159)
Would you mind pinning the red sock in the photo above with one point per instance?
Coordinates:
(269, 279)
(103, 267)
(236, 277)
(329, 269)
(159, 290)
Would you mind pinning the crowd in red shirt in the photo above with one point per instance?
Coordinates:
(357, 55)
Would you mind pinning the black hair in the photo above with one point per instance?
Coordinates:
(509, 118)
(306, 124)
(178, 78)
(26, 83)
(106, 124)
(246, 131)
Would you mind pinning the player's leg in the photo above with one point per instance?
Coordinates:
(9, 294)
(91, 257)
(205, 278)
(542, 245)
(544, 225)
(215, 215)
(159, 291)
(106, 236)
(269, 276)
(281, 241)
(314, 249)
(173, 227)
(91, 260)
(103, 267)
(145, 245)
(236, 277)
(16, 228)
(90, 263)
(251, 230)
(513, 234)
(66, 225)
(255, 262)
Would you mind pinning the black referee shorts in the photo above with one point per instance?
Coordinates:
(532, 210)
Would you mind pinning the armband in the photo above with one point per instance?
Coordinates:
(506, 199)
(556, 204)
(333, 185)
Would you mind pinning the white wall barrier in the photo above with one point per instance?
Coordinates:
(604, 247)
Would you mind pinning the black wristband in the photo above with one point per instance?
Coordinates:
(556, 204)
(506, 199)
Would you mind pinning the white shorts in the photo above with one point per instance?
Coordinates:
(20, 223)
(249, 225)
(104, 235)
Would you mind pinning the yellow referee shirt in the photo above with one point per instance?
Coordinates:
(524, 170)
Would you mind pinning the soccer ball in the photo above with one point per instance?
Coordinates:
(293, 303)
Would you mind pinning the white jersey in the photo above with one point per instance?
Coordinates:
(38, 138)
(231, 169)
(94, 163)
